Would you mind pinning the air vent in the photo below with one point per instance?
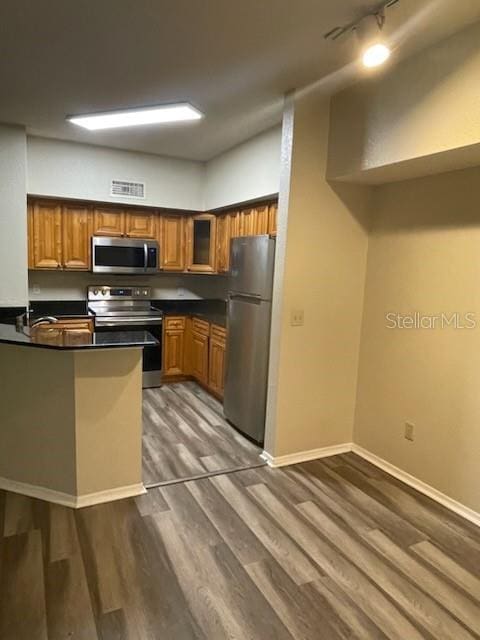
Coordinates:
(128, 189)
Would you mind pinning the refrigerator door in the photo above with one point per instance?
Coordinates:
(245, 395)
(251, 266)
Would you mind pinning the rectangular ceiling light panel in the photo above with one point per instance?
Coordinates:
(181, 112)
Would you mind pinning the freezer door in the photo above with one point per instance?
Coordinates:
(245, 396)
(251, 266)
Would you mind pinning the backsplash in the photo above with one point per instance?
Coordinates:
(57, 285)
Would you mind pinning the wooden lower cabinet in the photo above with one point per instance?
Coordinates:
(216, 364)
(199, 357)
(194, 348)
(174, 346)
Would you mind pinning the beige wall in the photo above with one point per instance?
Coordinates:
(321, 258)
(13, 217)
(71, 421)
(37, 417)
(416, 112)
(108, 412)
(424, 256)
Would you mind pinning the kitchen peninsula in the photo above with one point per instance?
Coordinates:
(71, 414)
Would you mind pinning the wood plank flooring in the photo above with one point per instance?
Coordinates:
(185, 435)
(327, 550)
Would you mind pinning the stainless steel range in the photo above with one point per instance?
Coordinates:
(130, 309)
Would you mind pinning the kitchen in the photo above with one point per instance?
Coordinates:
(121, 248)
(208, 430)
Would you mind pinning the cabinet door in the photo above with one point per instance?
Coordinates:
(108, 221)
(173, 352)
(223, 243)
(199, 357)
(235, 217)
(201, 243)
(141, 224)
(47, 235)
(172, 242)
(248, 222)
(216, 367)
(31, 259)
(261, 221)
(272, 219)
(76, 234)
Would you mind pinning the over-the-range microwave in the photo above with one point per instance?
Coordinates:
(124, 255)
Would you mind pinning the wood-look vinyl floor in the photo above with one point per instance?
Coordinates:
(328, 550)
(185, 435)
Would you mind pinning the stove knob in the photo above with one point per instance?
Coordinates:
(104, 292)
(95, 292)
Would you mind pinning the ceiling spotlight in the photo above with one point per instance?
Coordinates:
(376, 55)
(375, 51)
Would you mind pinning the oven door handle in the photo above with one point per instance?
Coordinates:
(126, 322)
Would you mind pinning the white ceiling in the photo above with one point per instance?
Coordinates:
(233, 60)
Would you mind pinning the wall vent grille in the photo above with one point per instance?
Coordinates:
(128, 189)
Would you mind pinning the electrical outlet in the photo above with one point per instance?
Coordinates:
(409, 431)
(36, 289)
(297, 318)
(181, 292)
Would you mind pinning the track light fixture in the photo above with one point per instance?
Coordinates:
(375, 51)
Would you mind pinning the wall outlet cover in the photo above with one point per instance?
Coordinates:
(297, 318)
(409, 431)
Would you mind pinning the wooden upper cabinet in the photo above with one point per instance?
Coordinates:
(235, 217)
(46, 229)
(201, 243)
(261, 220)
(272, 219)
(108, 221)
(172, 242)
(31, 260)
(223, 243)
(77, 224)
(248, 222)
(141, 224)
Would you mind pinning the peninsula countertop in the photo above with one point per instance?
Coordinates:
(50, 338)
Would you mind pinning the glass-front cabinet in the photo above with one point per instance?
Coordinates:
(201, 243)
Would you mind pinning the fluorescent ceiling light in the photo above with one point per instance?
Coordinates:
(181, 112)
(376, 55)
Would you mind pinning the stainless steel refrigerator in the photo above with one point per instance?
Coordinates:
(248, 343)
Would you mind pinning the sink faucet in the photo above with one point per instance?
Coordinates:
(44, 320)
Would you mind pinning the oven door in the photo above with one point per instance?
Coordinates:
(124, 255)
(152, 356)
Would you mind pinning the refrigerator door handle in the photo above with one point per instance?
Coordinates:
(244, 296)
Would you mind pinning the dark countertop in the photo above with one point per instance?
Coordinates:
(214, 311)
(54, 339)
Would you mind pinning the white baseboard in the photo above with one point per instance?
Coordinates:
(305, 456)
(69, 500)
(419, 485)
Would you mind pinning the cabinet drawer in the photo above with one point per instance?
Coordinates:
(218, 332)
(177, 322)
(201, 326)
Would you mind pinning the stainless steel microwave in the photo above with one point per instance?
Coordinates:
(124, 255)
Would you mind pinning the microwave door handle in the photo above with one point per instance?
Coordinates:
(145, 256)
